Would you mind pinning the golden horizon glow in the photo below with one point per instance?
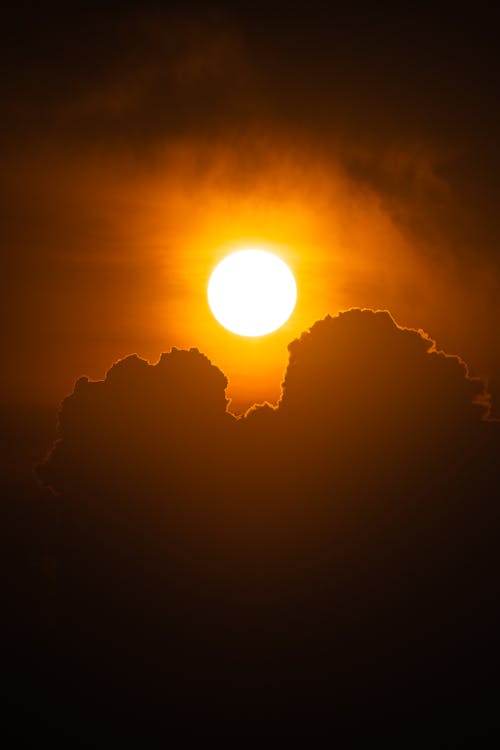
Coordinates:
(252, 292)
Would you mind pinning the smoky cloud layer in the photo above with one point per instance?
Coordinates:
(403, 101)
(332, 552)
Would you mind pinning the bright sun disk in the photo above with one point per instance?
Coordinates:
(252, 292)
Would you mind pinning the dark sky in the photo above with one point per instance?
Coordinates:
(138, 142)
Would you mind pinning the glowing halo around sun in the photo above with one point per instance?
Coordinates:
(252, 292)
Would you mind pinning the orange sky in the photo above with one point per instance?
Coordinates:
(127, 179)
(130, 248)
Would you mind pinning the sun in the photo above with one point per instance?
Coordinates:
(252, 292)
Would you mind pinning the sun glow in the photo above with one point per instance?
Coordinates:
(252, 292)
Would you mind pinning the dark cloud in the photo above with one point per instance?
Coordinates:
(287, 557)
(139, 412)
(382, 394)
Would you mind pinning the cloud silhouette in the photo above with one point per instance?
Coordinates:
(162, 415)
(348, 531)
(380, 398)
